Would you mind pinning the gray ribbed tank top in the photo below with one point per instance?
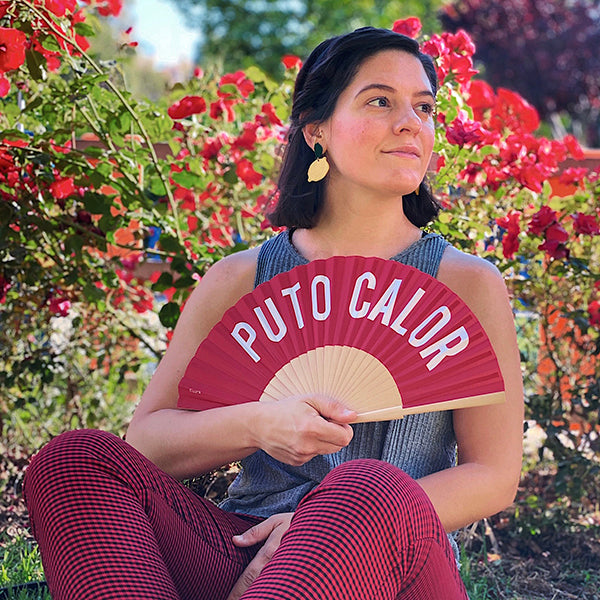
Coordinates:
(419, 444)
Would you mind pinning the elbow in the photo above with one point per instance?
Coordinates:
(506, 490)
(137, 436)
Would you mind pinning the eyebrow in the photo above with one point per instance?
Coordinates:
(388, 88)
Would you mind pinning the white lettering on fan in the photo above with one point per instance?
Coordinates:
(423, 330)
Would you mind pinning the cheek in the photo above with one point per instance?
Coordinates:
(428, 134)
(349, 139)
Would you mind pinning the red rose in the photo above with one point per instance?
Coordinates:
(245, 171)
(106, 8)
(554, 249)
(594, 311)
(573, 147)
(60, 306)
(12, 49)
(5, 285)
(269, 110)
(61, 7)
(248, 138)
(514, 113)
(510, 244)
(239, 79)
(542, 219)
(62, 188)
(463, 131)
(435, 46)
(4, 86)
(481, 98)
(573, 175)
(556, 233)
(212, 146)
(410, 27)
(511, 221)
(186, 107)
(585, 224)
(290, 61)
(221, 106)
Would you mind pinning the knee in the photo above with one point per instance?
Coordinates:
(374, 479)
(385, 492)
(66, 456)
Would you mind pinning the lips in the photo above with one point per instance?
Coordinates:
(405, 151)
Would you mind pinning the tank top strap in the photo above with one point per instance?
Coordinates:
(278, 255)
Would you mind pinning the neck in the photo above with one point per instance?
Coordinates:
(367, 228)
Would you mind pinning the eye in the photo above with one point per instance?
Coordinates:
(426, 108)
(380, 102)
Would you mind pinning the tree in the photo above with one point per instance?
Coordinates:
(544, 49)
(238, 33)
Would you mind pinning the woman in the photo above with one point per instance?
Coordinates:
(322, 509)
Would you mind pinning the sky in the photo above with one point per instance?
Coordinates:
(161, 32)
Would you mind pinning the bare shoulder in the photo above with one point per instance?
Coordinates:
(223, 285)
(477, 281)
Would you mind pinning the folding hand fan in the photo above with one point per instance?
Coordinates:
(384, 338)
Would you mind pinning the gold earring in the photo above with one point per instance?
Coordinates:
(418, 190)
(319, 167)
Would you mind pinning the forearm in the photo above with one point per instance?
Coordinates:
(186, 443)
(466, 493)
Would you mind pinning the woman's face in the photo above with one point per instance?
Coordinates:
(380, 136)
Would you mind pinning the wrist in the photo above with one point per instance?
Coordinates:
(254, 422)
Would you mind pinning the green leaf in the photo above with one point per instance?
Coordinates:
(230, 176)
(165, 281)
(97, 204)
(95, 151)
(15, 135)
(185, 282)
(255, 74)
(169, 314)
(36, 64)
(186, 179)
(169, 243)
(93, 294)
(74, 243)
(84, 29)
(49, 42)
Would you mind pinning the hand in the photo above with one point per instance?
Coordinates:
(297, 429)
(271, 530)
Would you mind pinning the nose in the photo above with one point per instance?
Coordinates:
(406, 119)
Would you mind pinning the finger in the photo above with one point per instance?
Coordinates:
(255, 534)
(251, 572)
(333, 409)
(334, 434)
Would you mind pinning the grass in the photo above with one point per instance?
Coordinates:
(21, 564)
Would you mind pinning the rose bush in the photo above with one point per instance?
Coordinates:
(98, 237)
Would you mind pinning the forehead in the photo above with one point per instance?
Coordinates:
(392, 67)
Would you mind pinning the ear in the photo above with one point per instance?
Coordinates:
(313, 133)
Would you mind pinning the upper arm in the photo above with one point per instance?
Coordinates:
(490, 435)
(221, 287)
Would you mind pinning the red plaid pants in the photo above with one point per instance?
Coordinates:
(110, 524)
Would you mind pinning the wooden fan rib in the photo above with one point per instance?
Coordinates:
(399, 413)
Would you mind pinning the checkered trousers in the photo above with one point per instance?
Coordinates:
(111, 525)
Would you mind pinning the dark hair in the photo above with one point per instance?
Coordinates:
(324, 76)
